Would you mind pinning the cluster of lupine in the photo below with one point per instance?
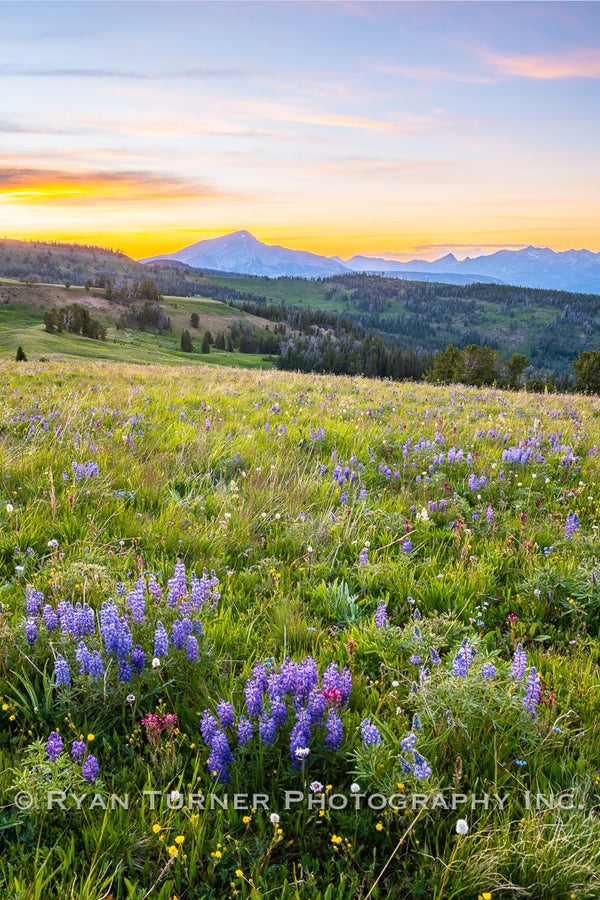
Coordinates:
(463, 659)
(533, 687)
(416, 764)
(381, 615)
(118, 621)
(521, 454)
(275, 698)
(89, 763)
(370, 734)
(83, 471)
(475, 483)
(572, 524)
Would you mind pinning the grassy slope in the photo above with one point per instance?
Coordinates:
(251, 503)
(22, 310)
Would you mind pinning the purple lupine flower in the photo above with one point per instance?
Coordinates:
(96, 669)
(407, 545)
(370, 734)
(533, 692)
(225, 714)
(220, 757)
(334, 729)
(405, 766)
(90, 769)
(244, 730)
(50, 618)
(421, 767)
(66, 615)
(363, 559)
(519, 663)
(54, 746)
(83, 657)
(33, 600)
(489, 515)
(138, 659)
(473, 482)
(122, 642)
(180, 633)
(307, 679)
(255, 688)
(31, 632)
(266, 730)
(300, 735)
(191, 648)
(381, 615)
(161, 640)
(61, 671)
(204, 590)
(136, 602)
(253, 695)
(488, 670)
(154, 587)
(208, 726)
(463, 659)
(416, 722)
(109, 624)
(571, 525)
(409, 743)
(435, 656)
(417, 614)
(415, 659)
(279, 711)
(417, 633)
(124, 672)
(316, 707)
(77, 750)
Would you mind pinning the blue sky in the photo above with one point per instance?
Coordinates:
(396, 128)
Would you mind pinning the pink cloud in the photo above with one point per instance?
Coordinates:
(577, 64)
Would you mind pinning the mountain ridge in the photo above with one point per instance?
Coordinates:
(240, 252)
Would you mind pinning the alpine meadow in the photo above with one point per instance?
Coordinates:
(299, 450)
(270, 630)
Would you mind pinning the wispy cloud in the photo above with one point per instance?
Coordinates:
(499, 246)
(289, 113)
(126, 74)
(583, 63)
(576, 64)
(7, 126)
(37, 185)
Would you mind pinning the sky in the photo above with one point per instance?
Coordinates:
(396, 129)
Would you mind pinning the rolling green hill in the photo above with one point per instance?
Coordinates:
(22, 308)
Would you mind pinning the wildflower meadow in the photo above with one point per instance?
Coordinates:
(267, 634)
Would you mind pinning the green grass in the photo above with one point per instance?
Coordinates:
(21, 323)
(293, 291)
(143, 348)
(224, 468)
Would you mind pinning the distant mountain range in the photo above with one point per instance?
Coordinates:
(538, 267)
